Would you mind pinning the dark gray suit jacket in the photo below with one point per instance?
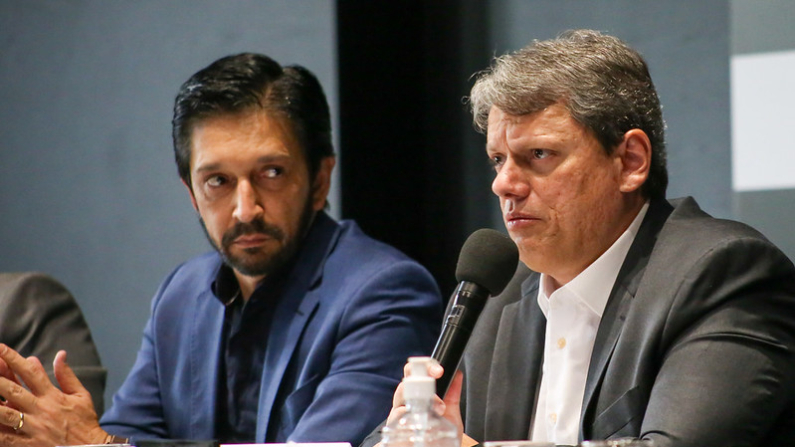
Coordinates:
(696, 346)
(38, 317)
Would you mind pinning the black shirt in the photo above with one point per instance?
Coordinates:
(243, 346)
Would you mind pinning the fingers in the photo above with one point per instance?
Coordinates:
(395, 414)
(15, 396)
(6, 372)
(65, 376)
(11, 418)
(453, 396)
(452, 400)
(35, 363)
(435, 370)
(438, 405)
(29, 371)
(398, 405)
(397, 398)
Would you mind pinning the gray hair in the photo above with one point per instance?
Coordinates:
(604, 84)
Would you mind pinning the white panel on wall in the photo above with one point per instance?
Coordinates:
(763, 118)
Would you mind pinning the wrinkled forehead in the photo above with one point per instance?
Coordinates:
(552, 123)
(499, 120)
(505, 129)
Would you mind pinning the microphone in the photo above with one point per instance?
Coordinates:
(486, 263)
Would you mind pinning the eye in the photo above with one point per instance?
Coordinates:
(496, 161)
(215, 181)
(272, 172)
(540, 154)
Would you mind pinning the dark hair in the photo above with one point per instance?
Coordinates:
(604, 84)
(244, 81)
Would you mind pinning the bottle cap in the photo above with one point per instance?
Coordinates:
(418, 384)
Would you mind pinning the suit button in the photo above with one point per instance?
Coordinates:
(561, 343)
(553, 417)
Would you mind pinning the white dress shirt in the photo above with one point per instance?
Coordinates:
(573, 314)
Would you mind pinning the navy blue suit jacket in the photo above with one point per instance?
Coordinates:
(352, 311)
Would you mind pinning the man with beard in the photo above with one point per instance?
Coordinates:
(280, 334)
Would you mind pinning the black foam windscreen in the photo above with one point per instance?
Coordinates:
(488, 258)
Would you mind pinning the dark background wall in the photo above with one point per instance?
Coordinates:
(89, 192)
(413, 170)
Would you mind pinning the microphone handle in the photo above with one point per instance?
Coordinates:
(468, 302)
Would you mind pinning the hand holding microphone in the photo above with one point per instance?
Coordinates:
(486, 263)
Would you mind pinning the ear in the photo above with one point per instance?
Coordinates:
(634, 153)
(192, 197)
(322, 183)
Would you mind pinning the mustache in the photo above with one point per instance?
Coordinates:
(257, 226)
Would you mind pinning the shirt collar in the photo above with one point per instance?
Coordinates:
(594, 284)
(225, 286)
(227, 290)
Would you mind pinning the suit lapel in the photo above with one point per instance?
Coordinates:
(289, 322)
(293, 313)
(606, 337)
(618, 305)
(513, 371)
(205, 345)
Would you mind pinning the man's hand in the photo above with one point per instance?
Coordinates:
(42, 415)
(449, 408)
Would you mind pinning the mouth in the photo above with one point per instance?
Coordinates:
(251, 240)
(514, 219)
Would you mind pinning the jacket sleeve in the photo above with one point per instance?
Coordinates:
(729, 352)
(394, 314)
(137, 410)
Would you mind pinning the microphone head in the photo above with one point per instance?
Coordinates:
(488, 259)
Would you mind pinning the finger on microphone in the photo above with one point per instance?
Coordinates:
(435, 370)
(485, 266)
(453, 396)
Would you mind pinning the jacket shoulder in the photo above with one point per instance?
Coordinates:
(356, 250)
(188, 281)
(690, 234)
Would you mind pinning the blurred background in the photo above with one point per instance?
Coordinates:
(88, 187)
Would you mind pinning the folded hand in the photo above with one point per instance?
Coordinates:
(38, 413)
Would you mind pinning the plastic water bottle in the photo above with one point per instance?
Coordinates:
(420, 426)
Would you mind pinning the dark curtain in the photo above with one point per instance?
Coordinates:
(413, 170)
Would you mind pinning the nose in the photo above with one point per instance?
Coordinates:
(247, 205)
(510, 182)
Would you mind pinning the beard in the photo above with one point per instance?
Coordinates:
(259, 261)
